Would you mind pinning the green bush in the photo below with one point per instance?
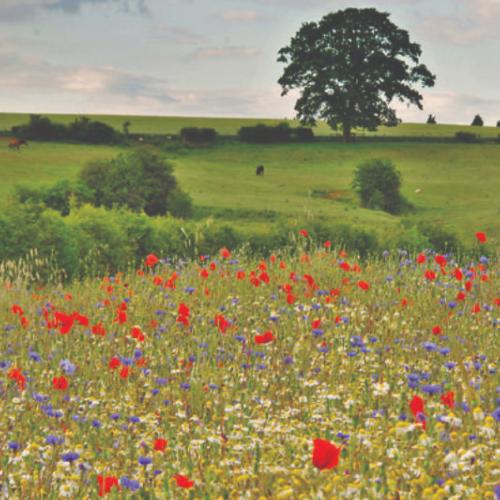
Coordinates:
(466, 137)
(139, 181)
(377, 182)
(440, 239)
(195, 135)
(303, 134)
(93, 132)
(262, 134)
(41, 128)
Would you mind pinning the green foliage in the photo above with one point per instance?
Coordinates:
(377, 182)
(180, 204)
(195, 135)
(440, 238)
(477, 121)
(93, 132)
(431, 120)
(266, 134)
(262, 134)
(139, 181)
(349, 67)
(40, 128)
(498, 123)
(467, 137)
(82, 129)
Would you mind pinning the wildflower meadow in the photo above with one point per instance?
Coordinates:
(310, 374)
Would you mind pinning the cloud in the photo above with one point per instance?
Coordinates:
(450, 106)
(473, 21)
(230, 52)
(20, 10)
(178, 35)
(23, 74)
(241, 15)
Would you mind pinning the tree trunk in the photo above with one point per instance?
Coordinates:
(346, 128)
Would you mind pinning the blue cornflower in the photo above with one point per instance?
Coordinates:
(54, 440)
(71, 456)
(145, 460)
(68, 367)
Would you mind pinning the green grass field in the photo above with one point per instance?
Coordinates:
(230, 126)
(459, 183)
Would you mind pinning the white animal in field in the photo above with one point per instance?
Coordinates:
(418, 190)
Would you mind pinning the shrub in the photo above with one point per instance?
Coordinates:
(377, 182)
(431, 120)
(303, 134)
(477, 121)
(196, 135)
(139, 181)
(263, 134)
(180, 204)
(40, 128)
(498, 123)
(466, 137)
(85, 130)
(440, 239)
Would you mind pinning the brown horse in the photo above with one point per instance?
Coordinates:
(17, 143)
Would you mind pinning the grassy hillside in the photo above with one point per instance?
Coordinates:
(230, 126)
(459, 183)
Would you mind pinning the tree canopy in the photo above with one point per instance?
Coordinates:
(350, 66)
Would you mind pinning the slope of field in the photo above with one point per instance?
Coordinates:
(230, 126)
(458, 184)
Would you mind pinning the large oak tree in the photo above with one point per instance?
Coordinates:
(350, 66)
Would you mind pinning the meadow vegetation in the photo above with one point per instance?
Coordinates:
(309, 374)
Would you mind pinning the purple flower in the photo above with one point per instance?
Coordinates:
(145, 460)
(496, 414)
(68, 367)
(54, 440)
(71, 456)
(14, 445)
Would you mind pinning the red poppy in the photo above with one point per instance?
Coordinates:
(481, 237)
(430, 275)
(476, 308)
(137, 334)
(225, 253)
(99, 330)
(221, 323)
(461, 296)
(421, 258)
(458, 274)
(345, 266)
(124, 372)
(304, 233)
(240, 275)
(441, 260)
(114, 363)
(316, 323)
(290, 298)
(325, 454)
(24, 321)
(265, 338)
(437, 330)
(80, 318)
(106, 483)
(64, 322)
(152, 260)
(16, 374)
(448, 399)
(17, 309)
(160, 444)
(264, 277)
(417, 408)
(363, 285)
(183, 481)
(121, 317)
(204, 273)
(60, 383)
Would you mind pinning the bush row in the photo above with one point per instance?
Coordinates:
(282, 132)
(94, 241)
(82, 129)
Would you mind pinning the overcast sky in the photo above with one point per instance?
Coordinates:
(218, 57)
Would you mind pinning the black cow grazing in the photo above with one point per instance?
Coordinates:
(260, 170)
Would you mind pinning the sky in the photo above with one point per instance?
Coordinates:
(219, 57)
